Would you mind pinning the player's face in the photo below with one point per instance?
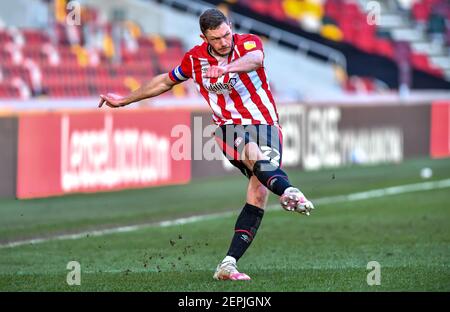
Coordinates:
(220, 39)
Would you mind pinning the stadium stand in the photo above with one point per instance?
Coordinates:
(66, 60)
(59, 60)
(423, 24)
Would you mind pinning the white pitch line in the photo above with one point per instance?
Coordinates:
(389, 191)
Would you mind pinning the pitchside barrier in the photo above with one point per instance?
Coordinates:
(55, 153)
(334, 136)
(8, 156)
(100, 150)
(440, 129)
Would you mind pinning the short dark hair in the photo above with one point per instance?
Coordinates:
(212, 19)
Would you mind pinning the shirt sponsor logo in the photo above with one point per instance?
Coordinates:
(222, 87)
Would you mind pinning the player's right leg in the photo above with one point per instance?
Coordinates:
(267, 168)
(276, 180)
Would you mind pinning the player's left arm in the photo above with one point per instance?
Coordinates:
(247, 63)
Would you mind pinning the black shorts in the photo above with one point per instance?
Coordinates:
(232, 139)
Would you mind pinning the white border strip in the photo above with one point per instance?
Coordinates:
(389, 191)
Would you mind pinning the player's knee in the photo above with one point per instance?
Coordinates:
(260, 194)
(252, 154)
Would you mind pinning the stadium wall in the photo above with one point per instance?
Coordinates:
(8, 156)
(56, 153)
(440, 129)
(93, 151)
(333, 136)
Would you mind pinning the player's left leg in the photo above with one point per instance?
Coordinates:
(245, 230)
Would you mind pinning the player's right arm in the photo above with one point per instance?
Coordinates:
(156, 86)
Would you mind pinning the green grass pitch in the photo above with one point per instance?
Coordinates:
(408, 234)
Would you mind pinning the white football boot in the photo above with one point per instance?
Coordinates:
(294, 200)
(227, 270)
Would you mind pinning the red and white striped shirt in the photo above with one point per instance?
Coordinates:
(235, 98)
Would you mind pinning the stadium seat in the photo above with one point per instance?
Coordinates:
(8, 91)
(421, 61)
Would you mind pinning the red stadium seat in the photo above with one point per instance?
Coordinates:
(384, 47)
(421, 61)
(4, 37)
(8, 91)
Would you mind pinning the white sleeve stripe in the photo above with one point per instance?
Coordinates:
(179, 74)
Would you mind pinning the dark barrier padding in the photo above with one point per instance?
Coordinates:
(8, 156)
(200, 166)
(316, 137)
(413, 120)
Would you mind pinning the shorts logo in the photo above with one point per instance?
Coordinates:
(249, 45)
(272, 154)
(238, 141)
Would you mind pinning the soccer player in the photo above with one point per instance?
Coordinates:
(229, 73)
